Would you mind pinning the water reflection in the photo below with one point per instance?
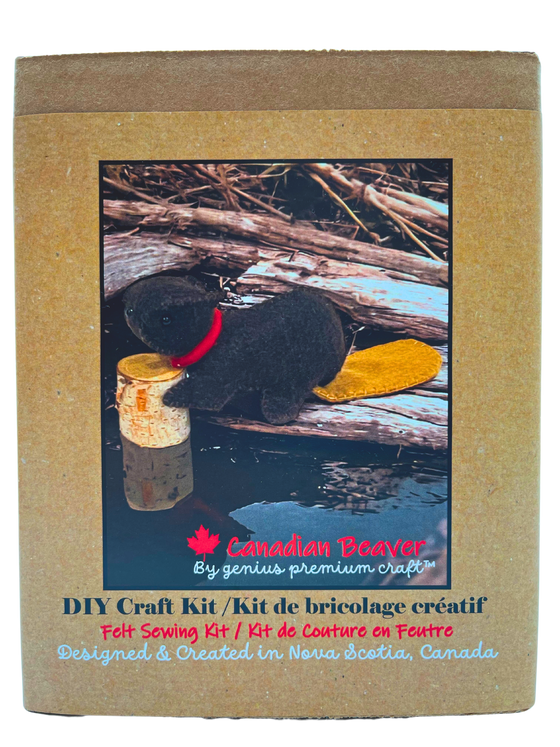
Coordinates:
(374, 488)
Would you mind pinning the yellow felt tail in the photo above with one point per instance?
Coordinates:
(383, 369)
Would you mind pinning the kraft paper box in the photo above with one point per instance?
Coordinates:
(329, 507)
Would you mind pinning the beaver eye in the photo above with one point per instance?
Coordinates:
(165, 320)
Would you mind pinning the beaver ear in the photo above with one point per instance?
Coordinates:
(129, 294)
(206, 296)
(216, 296)
(189, 280)
(212, 298)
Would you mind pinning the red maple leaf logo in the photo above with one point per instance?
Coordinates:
(203, 543)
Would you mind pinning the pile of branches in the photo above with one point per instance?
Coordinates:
(371, 236)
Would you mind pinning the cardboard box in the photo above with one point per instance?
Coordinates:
(281, 553)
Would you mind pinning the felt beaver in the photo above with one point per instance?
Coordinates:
(281, 348)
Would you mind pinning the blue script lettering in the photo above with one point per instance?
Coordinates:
(105, 656)
(427, 652)
(231, 654)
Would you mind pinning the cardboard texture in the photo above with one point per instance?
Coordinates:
(479, 110)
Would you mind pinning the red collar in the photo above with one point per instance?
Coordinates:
(203, 346)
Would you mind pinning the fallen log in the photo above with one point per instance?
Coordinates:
(267, 230)
(406, 420)
(131, 257)
(364, 293)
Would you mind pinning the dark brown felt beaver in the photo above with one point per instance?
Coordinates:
(281, 348)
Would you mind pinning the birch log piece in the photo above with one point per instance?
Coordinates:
(157, 458)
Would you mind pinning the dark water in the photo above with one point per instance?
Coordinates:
(263, 488)
(266, 488)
